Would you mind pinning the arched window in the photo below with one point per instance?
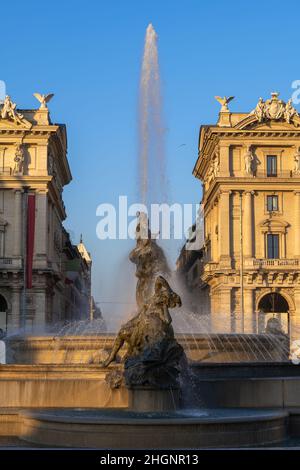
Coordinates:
(273, 305)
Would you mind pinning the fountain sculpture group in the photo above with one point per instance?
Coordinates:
(153, 355)
(139, 402)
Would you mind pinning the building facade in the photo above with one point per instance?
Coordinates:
(249, 164)
(34, 256)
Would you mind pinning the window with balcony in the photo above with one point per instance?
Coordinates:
(272, 203)
(271, 165)
(272, 246)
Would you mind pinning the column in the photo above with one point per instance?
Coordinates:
(224, 226)
(295, 318)
(247, 225)
(40, 307)
(15, 315)
(224, 160)
(17, 251)
(249, 312)
(225, 310)
(297, 225)
(221, 311)
(41, 232)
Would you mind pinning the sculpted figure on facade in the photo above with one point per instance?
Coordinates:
(9, 111)
(19, 161)
(249, 160)
(297, 162)
(274, 108)
(259, 110)
(215, 164)
(289, 111)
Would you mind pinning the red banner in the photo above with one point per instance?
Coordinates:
(30, 238)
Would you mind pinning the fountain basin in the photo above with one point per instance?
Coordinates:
(254, 385)
(124, 429)
(225, 348)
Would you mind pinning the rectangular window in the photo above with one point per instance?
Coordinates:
(272, 246)
(271, 165)
(272, 203)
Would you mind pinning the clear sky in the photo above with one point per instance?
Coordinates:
(89, 54)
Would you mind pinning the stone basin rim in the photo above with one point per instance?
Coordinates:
(253, 416)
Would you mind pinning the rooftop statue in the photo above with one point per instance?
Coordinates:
(274, 108)
(259, 110)
(224, 102)
(9, 111)
(43, 99)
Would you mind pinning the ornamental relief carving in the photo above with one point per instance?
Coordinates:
(213, 169)
(275, 109)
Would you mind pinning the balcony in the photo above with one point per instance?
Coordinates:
(272, 263)
(209, 267)
(253, 264)
(277, 174)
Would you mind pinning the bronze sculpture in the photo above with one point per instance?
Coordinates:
(153, 354)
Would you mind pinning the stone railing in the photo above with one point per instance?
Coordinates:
(273, 263)
(10, 263)
(6, 171)
(210, 267)
(255, 263)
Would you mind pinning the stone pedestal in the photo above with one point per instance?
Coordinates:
(145, 399)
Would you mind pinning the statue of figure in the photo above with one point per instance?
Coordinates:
(9, 111)
(224, 102)
(149, 259)
(215, 165)
(153, 354)
(297, 162)
(151, 324)
(19, 161)
(289, 111)
(43, 99)
(259, 110)
(249, 158)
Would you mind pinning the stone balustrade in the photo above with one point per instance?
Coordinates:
(10, 263)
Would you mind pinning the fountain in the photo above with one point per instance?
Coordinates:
(154, 374)
(165, 380)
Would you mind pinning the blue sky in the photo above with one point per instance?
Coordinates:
(89, 54)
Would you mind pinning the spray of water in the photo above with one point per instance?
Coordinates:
(152, 181)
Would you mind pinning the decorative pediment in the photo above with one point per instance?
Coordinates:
(5, 124)
(271, 110)
(274, 225)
